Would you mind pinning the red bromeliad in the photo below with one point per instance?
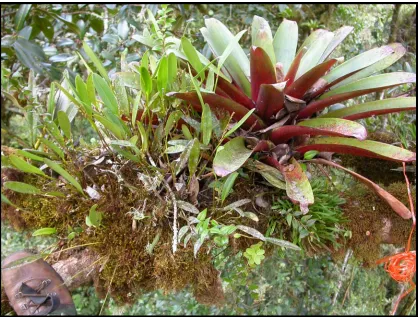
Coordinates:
(289, 90)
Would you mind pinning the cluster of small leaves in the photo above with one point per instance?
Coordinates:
(255, 254)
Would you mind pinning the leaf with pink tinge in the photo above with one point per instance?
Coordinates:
(298, 188)
(235, 93)
(270, 100)
(231, 157)
(319, 126)
(360, 148)
(291, 74)
(358, 88)
(394, 203)
(339, 36)
(217, 102)
(262, 70)
(374, 108)
(303, 83)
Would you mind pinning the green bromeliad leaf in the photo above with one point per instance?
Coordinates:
(373, 108)
(361, 148)
(262, 37)
(285, 42)
(218, 37)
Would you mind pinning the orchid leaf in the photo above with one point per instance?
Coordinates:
(360, 148)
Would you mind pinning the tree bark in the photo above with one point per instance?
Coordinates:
(395, 23)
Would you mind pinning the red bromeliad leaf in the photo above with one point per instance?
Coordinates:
(235, 93)
(331, 126)
(360, 148)
(396, 205)
(291, 74)
(358, 88)
(221, 103)
(298, 188)
(373, 108)
(270, 100)
(303, 83)
(262, 70)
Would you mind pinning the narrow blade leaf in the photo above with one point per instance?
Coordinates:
(361, 148)
(54, 166)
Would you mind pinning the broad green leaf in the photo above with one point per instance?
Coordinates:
(172, 68)
(21, 15)
(227, 186)
(146, 82)
(111, 126)
(83, 94)
(362, 148)
(315, 50)
(125, 144)
(96, 61)
(282, 243)
(206, 124)
(218, 37)
(162, 75)
(130, 79)
(262, 37)
(90, 90)
(144, 137)
(64, 123)
(172, 119)
(187, 207)
(121, 96)
(21, 187)
(106, 94)
(30, 155)
(373, 108)
(54, 132)
(53, 147)
(298, 188)
(202, 215)
(192, 56)
(24, 166)
(231, 156)
(194, 156)
(44, 232)
(30, 54)
(51, 99)
(285, 42)
(54, 166)
(310, 155)
(94, 218)
(186, 132)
